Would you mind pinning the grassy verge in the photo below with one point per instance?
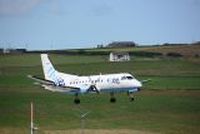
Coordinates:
(170, 103)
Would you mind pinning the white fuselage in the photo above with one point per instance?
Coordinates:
(106, 82)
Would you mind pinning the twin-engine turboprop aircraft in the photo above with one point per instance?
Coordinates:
(73, 84)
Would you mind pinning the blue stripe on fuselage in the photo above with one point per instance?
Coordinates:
(118, 90)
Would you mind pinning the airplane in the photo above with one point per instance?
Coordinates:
(56, 81)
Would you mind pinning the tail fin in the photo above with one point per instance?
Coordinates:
(49, 71)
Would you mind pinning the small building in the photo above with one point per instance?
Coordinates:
(6, 51)
(14, 51)
(119, 56)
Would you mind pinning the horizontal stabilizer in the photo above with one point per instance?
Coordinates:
(40, 80)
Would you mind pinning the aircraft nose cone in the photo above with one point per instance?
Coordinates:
(139, 84)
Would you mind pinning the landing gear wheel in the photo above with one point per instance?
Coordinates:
(112, 100)
(130, 95)
(77, 101)
(132, 99)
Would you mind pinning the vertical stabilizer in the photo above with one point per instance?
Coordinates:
(49, 72)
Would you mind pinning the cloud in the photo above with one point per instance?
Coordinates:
(17, 7)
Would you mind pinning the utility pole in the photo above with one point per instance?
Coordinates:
(33, 128)
(32, 118)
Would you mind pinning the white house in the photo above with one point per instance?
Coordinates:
(119, 56)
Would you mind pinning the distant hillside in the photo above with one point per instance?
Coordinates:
(121, 44)
(183, 50)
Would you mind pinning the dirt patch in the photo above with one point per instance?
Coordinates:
(74, 131)
(98, 131)
(14, 131)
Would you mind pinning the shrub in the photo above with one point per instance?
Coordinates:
(146, 54)
(173, 54)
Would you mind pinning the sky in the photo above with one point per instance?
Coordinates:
(66, 24)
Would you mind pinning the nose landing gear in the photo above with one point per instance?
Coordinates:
(131, 97)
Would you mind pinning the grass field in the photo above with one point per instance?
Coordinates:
(170, 103)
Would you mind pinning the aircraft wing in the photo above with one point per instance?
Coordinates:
(50, 85)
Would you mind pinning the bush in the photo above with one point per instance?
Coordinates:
(196, 56)
(146, 54)
(175, 55)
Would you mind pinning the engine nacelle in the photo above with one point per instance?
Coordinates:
(88, 88)
(133, 90)
(84, 89)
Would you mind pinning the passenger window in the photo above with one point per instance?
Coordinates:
(123, 78)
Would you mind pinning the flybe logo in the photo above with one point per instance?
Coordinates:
(60, 82)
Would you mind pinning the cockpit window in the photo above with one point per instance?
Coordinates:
(129, 77)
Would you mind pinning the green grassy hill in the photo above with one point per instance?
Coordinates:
(170, 103)
(185, 50)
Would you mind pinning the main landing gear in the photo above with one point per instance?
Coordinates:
(76, 99)
(112, 98)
